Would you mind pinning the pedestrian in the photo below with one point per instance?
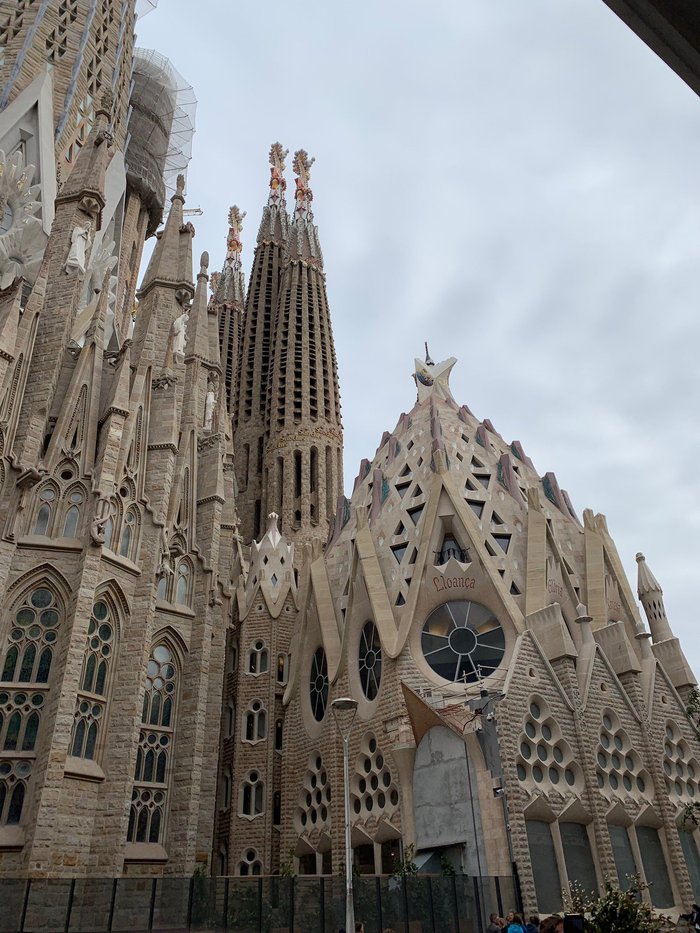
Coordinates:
(494, 924)
(509, 919)
(533, 925)
(516, 924)
(359, 927)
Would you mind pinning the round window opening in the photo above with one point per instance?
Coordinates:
(463, 641)
(318, 684)
(370, 660)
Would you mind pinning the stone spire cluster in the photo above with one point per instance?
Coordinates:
(286, 406)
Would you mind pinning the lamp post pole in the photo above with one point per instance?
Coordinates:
(346, 708)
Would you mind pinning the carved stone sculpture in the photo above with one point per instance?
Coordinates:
(210, 401)
(79, 246)
(178, 333)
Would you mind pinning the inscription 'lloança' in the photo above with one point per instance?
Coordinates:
(454, 583)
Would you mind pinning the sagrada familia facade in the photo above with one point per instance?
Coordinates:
(184, 587)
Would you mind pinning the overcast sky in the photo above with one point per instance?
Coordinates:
(515, 182)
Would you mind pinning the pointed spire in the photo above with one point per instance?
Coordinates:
(651, 596)
(87, 180)
(275, 221)
(230, 284)
(198, 323)
(171, 262)
(303, 240)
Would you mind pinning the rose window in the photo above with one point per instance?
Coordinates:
(463, 641)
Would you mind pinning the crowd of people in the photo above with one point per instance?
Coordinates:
(514, 923)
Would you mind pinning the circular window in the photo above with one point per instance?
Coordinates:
(370, 660)
(463, 641)
(318, 684)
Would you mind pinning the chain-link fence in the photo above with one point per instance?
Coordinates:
(412, 904)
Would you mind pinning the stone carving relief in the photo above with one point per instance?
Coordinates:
(22, 239)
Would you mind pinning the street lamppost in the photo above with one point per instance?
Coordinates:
(344, 712)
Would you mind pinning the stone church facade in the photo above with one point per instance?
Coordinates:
(184, 587)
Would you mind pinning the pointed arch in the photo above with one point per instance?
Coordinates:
(73, 504)
(36, 610)
(46, 505)
(129, 536)
(184, 582)
(153, 774)
(109, 611)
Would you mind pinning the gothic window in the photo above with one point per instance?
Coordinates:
(30, 652)
(24, 674)
(47, 500)
(72, 518)
(250, 864)
(255, 722)
(279, 735)
(152, 776)
(370, 660)
(230, 720)
(258, 658)
(463, 641)
(282, 668)
(127, 542)
(619, 770)
(110, 525)
(372, 787)
(318, 684)
(91, 701)
(252, 796)
(182, 584)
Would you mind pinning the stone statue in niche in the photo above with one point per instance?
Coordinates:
(178, 332)
(79, 247)
(210, 401)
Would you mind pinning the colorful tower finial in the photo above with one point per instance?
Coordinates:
(234, 246)
(303, 194)
(278, 183)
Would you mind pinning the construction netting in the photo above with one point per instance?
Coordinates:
(167, 108)
(144, 7)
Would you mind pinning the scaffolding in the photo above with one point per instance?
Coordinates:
(161, 126)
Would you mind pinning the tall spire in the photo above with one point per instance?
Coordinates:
(302, 471)
(303, 240)
(652, 598)
(228, 300)
(256, 349)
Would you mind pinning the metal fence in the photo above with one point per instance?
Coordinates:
(413, 904)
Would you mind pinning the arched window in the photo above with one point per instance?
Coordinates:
(25, 668)
(252, 796)
(47, 499)
(230, 720)
(279, 733)
(226, 788)
(282, 668)
(182, 585)
(258, 658)
(29, 654)
(250, 863)
(152, 774)
(72, 519)
(255, 722)
(129, 531)
(91, 700)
